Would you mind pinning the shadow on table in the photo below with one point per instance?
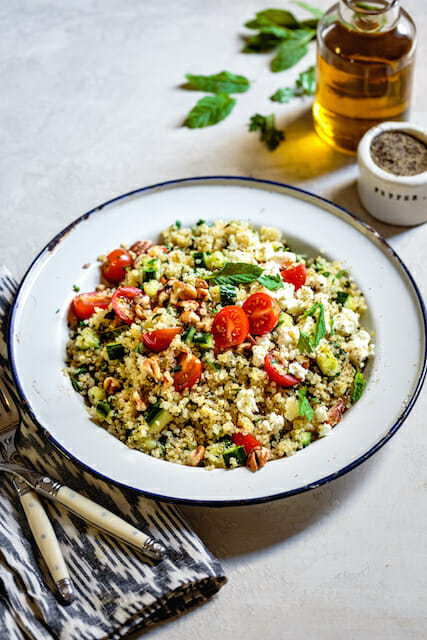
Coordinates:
(237, 531)
(347, 196)
(302, 155)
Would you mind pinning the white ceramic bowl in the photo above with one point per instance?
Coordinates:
(400, 200)
(39, 333)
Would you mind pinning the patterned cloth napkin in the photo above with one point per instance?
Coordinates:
(117, 590)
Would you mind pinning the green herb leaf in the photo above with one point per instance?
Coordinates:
(76, 288)
(261, 42)
(223, 82)
(277, 17)
(283, 95)
(288, 54)
(310, 311)
(178, 224)
(358, 387)
(305, 85)
(320, 326)
(317, 13)
(305, 344)
(271, 136)
(271, 282)
(304, 407)
(235, 273)
(209, 110)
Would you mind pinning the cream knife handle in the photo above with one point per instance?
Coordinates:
(46, 540)
(100, 517)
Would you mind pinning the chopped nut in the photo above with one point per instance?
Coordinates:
(204, 325)
(201, 284)
(195, 457)
(335, 412)
(152, 367)
(257, 458)
(188, 305)
(184, 291)
(143, 301)
(189, 317)
(140, 312)
(202, 294)
(140, 247)
(101, 287)
(244, 346)
(163, 296)
(167, 380)
(111, 385)
(139, 403)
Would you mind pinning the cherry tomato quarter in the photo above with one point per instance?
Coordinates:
(230, 327)
(246, 440)
(282, 379)
(263, 313)
(114, 267)
(190, 371)
(124, 300)
(85, 304)
(159, 339)
(295, 275)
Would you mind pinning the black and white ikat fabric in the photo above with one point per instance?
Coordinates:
(118, 592)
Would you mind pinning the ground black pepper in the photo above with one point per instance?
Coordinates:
(399, 153)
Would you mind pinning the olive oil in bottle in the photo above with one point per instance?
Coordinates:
(365, 59)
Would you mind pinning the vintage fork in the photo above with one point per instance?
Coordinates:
(86, 509)
(38, 520)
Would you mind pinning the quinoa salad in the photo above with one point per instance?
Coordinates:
(219, 347)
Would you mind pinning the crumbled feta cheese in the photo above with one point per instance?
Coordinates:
(297, 370)
(273, 423)
(358, 347)
(245, 402)
(324, 429)
(287, 335)
(346, 322)
(321, 413)
(291, 409)
(260, 350)
(305, 294)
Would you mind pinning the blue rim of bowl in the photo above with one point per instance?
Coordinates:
(363, 227)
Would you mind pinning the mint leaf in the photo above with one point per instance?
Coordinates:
(277, 17)
(320, 326)
(235, 273)
(317, 13)
(223, 82)
(305, 344)
(341, 297)
(261, 42)
(288, 54)
(209, 111)
(271, 282)
(304, 407)
(358, 386)
(283, 95)
(310, 311)
(271, 136)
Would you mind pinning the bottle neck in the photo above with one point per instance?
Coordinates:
(371, 16)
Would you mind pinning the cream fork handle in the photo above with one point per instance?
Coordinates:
(46, 540)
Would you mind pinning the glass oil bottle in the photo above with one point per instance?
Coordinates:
(365, 60)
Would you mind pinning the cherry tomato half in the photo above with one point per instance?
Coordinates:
(295, 275)
(230, 327)
(159, 339)
(282, 379)
(84, 304)
(124, 300)
(263, 313)
(114, 267)
(246, 440)
(189, 373)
